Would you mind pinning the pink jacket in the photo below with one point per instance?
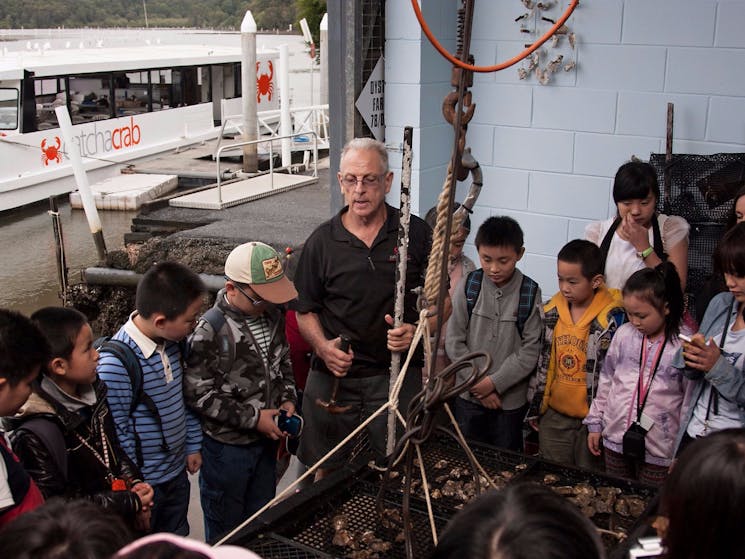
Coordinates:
(614, 406)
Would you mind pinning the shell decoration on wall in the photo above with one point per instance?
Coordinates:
(557, 55)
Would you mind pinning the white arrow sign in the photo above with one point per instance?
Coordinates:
(370, 102)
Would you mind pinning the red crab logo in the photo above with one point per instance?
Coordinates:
(264, 83)
(49, 153)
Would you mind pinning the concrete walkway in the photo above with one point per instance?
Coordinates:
(280, 220)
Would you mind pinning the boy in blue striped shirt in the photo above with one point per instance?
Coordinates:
(168, 302)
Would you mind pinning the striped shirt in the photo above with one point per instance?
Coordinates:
(163, 382)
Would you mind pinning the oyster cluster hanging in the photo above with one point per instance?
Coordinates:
(556, 55)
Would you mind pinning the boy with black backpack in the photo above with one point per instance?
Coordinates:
(64, 433)
(497, 309)
(153, 425)
(240, 382)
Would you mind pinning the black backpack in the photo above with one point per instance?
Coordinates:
(126, 355)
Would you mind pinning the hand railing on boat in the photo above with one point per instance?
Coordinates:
(270, 141)
(268, 121)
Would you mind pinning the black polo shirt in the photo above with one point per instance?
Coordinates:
(351, 287)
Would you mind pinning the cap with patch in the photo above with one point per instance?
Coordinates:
(259, 266)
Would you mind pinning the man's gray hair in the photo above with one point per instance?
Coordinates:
(366, 144)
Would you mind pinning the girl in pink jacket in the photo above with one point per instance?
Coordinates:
(639, 401)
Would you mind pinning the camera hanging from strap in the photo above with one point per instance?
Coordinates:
(634, 439)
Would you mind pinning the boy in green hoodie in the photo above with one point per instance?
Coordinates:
(580, 322)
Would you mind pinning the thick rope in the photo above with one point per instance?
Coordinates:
(436, 263)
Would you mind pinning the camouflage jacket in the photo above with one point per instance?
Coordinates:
(228, 402)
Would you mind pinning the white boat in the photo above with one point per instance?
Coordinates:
(125, 104)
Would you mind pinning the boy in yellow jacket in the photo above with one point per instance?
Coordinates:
(580, 322)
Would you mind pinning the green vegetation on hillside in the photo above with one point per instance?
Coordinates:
(219, 14)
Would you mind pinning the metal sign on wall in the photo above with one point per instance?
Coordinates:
(370, 102)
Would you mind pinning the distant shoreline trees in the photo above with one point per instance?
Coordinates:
(213, 14)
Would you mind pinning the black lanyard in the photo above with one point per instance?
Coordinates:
(713, 392)
(640, 404)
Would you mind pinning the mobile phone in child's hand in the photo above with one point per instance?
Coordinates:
(697, 339)
(292, 425)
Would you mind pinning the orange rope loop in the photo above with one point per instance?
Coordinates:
(496, 67)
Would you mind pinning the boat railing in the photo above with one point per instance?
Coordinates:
(270, 141)
(313, 118)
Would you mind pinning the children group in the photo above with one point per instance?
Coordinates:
(607, 371)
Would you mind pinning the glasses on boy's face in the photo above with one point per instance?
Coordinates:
(350, 181)
(255, 302)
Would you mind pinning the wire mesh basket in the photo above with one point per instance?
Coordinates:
(306, 524)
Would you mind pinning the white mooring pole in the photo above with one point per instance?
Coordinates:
(86, 195)
(248, 91)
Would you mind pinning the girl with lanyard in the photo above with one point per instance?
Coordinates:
(714, 359)
(637, 409)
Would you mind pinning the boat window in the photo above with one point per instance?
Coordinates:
(8, 108)
(229, 73)
(204, 84)
(89, 97)
(50, 93)
(162, 89)
(130, 93)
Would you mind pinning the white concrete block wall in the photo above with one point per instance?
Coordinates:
(417, 80)
(549, 153)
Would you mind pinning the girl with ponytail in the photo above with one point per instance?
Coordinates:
(636, 412)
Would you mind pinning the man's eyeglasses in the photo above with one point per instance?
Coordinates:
(255, 302)
(351, 181)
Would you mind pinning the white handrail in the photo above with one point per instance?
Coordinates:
(318, 112)
(221, 149)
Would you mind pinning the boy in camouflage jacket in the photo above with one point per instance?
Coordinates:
(238, 378)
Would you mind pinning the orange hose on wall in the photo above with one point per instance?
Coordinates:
(496, 67)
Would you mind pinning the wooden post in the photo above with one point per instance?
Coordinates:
(401, 259)
(666, 184)
(59, 248)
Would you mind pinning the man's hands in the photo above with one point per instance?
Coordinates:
(337, 361)
(399, 339)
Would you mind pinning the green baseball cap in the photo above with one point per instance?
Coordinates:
(258, 265)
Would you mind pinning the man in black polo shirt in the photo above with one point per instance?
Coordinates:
(345, 281)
